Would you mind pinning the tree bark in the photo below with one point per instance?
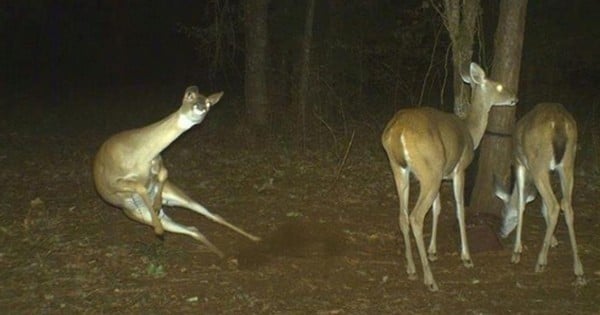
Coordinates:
(461, 22)
(305, 70)
(496, 146)
(255, 79)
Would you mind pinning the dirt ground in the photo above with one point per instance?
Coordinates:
(331, 242)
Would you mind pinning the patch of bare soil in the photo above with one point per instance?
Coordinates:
(331, 242)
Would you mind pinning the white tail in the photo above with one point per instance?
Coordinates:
(129, 173)
(434, 145)
(545, 139)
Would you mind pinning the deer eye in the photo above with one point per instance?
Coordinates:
(499, 88)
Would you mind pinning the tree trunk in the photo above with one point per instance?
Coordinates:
(255, 80)
(496, 146)
(461, 20)
(305, 70)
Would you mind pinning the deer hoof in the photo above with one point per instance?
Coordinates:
(540, 267)
(468, 263)
(412, 276)
(580, 281)
(433, 287)
(516, 257)
(432, 256)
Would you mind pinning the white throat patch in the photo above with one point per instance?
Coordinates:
(184, 122)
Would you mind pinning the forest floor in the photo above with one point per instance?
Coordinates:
(331, 242)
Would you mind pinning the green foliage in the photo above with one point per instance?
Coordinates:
(156, 270)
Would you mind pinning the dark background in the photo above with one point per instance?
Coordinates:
(369, 57)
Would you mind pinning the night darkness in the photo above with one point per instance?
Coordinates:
(60, 46)
(88, 40)
(317, 188)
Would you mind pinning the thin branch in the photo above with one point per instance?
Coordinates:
(343, 162)
(433, 49)
(445, 80)
(326, 126)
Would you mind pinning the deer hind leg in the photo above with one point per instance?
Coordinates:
(174, 196)
(175, 227)
(566, 181)
(427, 193)
(518, 247)
(542, 182)
(553, 241)
(401, 178)
(137, 210)
(436, 208)
(458, 183)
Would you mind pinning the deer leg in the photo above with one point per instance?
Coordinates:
(401, 178)
(175, 227)
(428, 191)
(138, 211)
(139, 207)
(436, 208)
(161, 179)
(518, 248)
(458, 185)
(553, 241)
(566, 181)
(173, 196)
(542, 183)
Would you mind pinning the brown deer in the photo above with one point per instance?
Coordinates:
(434, 145)
(129, 173)
(544, 140)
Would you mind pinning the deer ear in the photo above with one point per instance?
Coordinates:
(191, 94)
(214, 98)
(477, 75)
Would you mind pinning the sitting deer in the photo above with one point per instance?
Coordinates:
(129, 173)
(544, 140)
(434, 145)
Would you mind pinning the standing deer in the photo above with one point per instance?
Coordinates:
(129, 173)
(544, 140)
(434, 145)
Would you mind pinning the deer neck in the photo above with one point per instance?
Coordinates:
(153, 139)
(477, 119)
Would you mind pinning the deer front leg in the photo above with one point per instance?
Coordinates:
(173, 196)
(140, 212)
(175, 227)
(518, 248)
(160, 175)
(137, 202)
(432, 251)
(458, 185)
